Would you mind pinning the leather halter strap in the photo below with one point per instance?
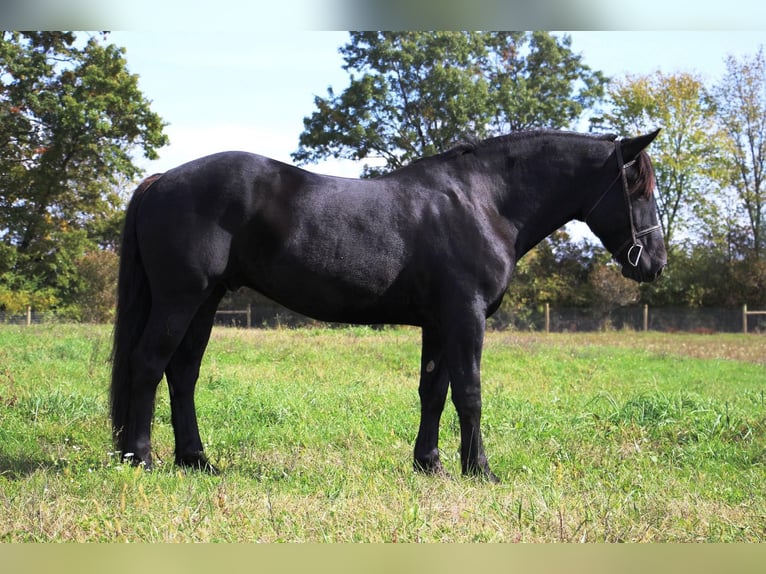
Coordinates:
(635, 249)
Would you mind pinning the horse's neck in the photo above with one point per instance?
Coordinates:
(535, 209)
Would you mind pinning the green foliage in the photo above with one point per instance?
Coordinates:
(709, 161)
(686, 154)
(563, 273)
(415, 93)
(538, 82)
(702, 275)
(97, 293)
(612, 289)
(71, 115)
(553, 272)
(15, 301)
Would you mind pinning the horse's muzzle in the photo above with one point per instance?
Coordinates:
(643, 275)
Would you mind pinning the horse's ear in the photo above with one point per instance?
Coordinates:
(633, 146)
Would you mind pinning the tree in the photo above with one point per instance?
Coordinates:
(71, 115)
(99, 270)
(415, 93)
(741, 100)
(554, 272)
(610, 290)
(686, 154)
(538, 82)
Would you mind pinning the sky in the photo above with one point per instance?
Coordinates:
(250, 90)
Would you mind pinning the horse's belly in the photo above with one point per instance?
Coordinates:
(345, 265)
(338, 291)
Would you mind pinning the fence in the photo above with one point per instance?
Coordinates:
(565, 320)
(247, 313)
(554, 320)
(746, 314)
(27, 318)
(540, 318)
(645, 318)
(32, 317)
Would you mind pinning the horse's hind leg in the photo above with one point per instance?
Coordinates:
(182, 373)
(164, 331)
(434, 382)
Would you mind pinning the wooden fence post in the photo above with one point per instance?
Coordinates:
(249, 315)
(646, 317)
(29, 315)
(547, 317)
(744, 318)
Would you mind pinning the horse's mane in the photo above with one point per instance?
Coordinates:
(646, 182)
(643, 186)
(470, 143)
(147, 183)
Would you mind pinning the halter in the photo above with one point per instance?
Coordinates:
(636, 249)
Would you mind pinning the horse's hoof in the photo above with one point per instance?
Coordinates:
(431, 467)
(197, 461)
(490, 477)
(482, 473)
(144, 462)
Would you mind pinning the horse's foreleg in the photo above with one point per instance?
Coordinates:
(463, 355)
(434, 382)
(182, 374)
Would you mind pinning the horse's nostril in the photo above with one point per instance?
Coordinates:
(659, 272)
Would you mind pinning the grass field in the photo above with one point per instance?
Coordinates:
(596, 437)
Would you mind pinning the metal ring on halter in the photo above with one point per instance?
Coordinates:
(634, 260)
(635, 245)
(632, 245)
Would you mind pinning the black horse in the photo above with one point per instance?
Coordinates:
(432, 244)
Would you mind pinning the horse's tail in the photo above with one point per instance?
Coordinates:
(133, 305)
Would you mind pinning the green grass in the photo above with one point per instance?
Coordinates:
(596, 437)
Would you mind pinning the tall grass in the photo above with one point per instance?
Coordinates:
(619, 437)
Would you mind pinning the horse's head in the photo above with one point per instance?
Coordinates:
(624, 216)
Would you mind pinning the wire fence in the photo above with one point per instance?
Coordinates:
(549, 319)
(642, 318)
(542, 318)
(29, 317)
